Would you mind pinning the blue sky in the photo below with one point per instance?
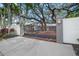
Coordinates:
(1, 5)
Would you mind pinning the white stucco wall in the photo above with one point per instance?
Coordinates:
(17, 28)
(71, 30)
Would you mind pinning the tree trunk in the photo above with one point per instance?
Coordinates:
(9, 15)
(21, 22)
(43, 26)
(53, 16)
(1, 21)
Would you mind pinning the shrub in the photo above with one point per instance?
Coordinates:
(3, 33)
(4, 30)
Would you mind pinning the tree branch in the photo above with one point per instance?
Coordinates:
(30, 18)
(36, 13)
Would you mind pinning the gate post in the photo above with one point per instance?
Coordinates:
(59, 30)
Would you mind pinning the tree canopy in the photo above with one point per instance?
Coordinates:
(41, 12)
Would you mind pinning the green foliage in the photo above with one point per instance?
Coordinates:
(29, 5)
(14, 8)
(74, 13)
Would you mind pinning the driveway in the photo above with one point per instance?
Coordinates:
(21, 46)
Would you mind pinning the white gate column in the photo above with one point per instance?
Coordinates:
(59, 31)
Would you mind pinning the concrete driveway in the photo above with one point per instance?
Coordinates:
(20, 46)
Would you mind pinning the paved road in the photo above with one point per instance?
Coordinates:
(20, 46)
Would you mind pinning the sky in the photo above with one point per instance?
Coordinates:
(1, 5)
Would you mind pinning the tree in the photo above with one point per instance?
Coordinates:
(3, 12)
(36, 13)
(38, 10)
(41, 12)
(64, 10)
(74, 10)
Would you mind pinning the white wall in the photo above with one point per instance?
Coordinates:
(71, 30)
(17, 28)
